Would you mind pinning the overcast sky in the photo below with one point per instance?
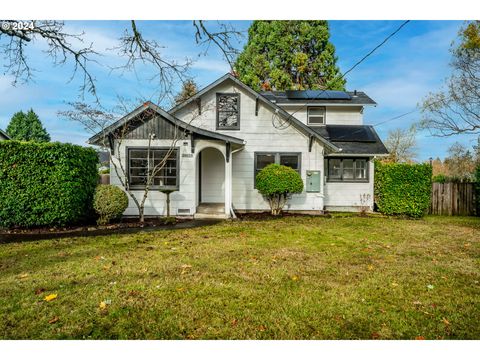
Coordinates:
(398, 76)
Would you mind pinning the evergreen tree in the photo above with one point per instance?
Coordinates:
(189, 89)
(27, 127)
(292, 54)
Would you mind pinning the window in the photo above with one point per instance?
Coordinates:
(140, 166)
(292, 160)
(316, 115)
(228, 111)
(344, 169)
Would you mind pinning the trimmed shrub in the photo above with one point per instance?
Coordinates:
(46, 184)
(477, 189)
(277, 183)
(109, 202)
(403, 189)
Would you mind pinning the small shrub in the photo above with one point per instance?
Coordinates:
(110, 203)
(277, 183)
(46, 184)
(403, 189)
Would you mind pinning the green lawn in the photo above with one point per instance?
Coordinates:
(344, 277)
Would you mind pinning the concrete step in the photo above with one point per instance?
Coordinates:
(211, 208)
(210, 216)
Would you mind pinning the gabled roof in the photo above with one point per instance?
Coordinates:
(353, 139)
(3, 135)
(294, 121)
(358, 98)
(94, 140)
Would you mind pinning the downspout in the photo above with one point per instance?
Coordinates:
(232, 213)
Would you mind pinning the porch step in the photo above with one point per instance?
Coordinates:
(210, 211)
(210, 216)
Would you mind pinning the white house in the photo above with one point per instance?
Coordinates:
(228, 132)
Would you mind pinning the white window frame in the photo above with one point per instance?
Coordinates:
(324, 108)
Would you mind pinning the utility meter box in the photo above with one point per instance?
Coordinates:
(313, 180)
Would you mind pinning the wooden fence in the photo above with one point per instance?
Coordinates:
(453, 199)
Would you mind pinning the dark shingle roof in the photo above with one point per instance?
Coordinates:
(353, 139)
(3, 135)
(280, 97)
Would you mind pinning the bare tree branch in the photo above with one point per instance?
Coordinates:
(59, 48)
(138, 50)
(221, 39)
(456, 108)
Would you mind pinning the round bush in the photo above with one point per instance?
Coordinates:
(109, 202)
(276, 183)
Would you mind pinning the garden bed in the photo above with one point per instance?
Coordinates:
(127, 225)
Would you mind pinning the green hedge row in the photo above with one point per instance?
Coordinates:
(46, 184)
(477, 190)
(403, 189)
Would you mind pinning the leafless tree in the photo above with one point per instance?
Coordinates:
(456, 109)
(133, 46)
(14, 41)
(401, 145)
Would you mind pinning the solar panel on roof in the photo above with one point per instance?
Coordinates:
(350, 133)
(317, 95)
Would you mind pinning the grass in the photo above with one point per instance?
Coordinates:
(345, 277)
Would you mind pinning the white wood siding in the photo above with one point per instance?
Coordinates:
(155, 203)
(265, 132)
(345, 196)
(335, 115)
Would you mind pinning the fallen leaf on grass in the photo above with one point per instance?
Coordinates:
(262, 328)
(394, 284)
(53, 320)
(50, 297)
(419, 338)
(102, 305)
(370, 267)
(23, 276)
(294, 278)
(445, 321)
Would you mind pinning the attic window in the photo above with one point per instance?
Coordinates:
(228, 111)
(316, 115)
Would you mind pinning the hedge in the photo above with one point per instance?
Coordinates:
(403, 189)
(46, 184)
(477, 189)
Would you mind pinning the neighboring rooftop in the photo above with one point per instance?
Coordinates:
(318, 97)
(353, 139)
(3, 135)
